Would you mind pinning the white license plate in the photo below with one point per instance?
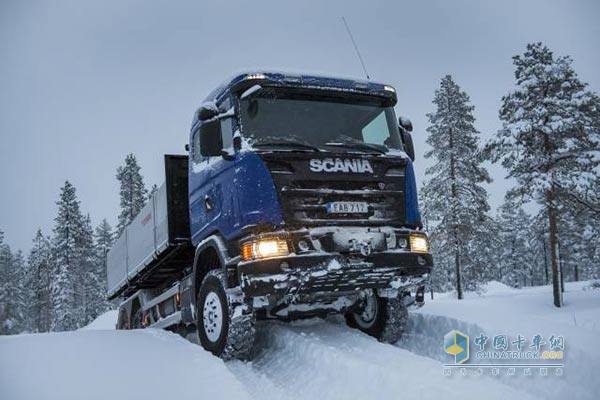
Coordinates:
(347, 207)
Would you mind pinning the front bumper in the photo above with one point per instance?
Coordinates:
(334, 273)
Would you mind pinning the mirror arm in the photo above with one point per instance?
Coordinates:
(227, 155)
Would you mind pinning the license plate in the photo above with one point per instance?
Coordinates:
(347, 207)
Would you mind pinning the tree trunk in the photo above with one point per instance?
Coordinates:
(545, 260)
(457, 273)
(561, 269)
(553, 243)
(455, 232)
(576, 273)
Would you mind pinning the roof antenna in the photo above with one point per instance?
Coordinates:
(356, 48)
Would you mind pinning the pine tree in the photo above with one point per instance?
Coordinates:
(38, 284)
(87, 274)
(67, 256)
(133, 192)
(455, 202)
(543, 140)
(10, 317)
(5, 266)
(515, 230)
(12, 296)
(103, 240)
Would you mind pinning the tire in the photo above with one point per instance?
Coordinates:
(123, 320)
(221, 331)
(383, 318)
(136, 319)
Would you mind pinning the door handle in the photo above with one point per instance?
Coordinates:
(208, 203)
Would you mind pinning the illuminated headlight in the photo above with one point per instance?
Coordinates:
(264, 248)
(389, 89)
(419, 243)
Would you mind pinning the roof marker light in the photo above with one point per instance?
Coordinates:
(255, 76)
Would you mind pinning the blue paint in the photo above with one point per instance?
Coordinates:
(242, 193)
(413, 216)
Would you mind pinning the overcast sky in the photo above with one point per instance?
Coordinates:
(84, 83)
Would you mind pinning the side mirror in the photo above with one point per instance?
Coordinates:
(211, 141)
(407, 142)
(405, 123)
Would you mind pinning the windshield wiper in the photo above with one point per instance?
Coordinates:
(351, 143)
(286, 141)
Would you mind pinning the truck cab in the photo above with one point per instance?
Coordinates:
(303, 187)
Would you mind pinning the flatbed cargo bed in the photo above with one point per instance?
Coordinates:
(156, 244)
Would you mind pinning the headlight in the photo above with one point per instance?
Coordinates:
(419, 243)
(264, 248)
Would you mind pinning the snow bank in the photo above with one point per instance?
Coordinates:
(328, 361)
(528, 311)
(497, 287)
(106, 321)
(106, 365)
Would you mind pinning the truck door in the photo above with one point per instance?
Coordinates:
(224, 177)
(213, 200)
(202, 212)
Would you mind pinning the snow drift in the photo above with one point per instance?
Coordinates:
(103, 365)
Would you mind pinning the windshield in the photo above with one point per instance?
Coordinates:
(318, 123)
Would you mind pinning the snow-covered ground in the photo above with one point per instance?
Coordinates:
(311, 359)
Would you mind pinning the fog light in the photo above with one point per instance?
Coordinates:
(264, 248)
(419, 243)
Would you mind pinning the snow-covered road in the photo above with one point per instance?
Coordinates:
(326, 360)
(312, 359)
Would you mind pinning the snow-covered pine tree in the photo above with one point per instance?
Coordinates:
(481, 254)
(455, 201)
(133, 191)
(67, 257)
(5, 265)
(38, 284)
(12, 296)
(103, 240)
(20, 291)
(542, 142)
(515, 231)
(11, 318)
(87, 274)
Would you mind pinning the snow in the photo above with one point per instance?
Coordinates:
(311, 359)
(105, 365)
(250, 91)
(106, 321)
(527, 311)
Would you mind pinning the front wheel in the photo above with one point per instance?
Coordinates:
(221, 331)
(381, 317)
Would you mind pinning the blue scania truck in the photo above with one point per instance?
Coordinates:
(297, 199)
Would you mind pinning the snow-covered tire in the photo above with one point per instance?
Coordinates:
(221, 330)
(123, 322)
(381, 317)
(136, 319)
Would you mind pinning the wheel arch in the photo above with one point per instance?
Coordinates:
(209, 252)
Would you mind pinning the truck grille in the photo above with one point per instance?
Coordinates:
(304, 195)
